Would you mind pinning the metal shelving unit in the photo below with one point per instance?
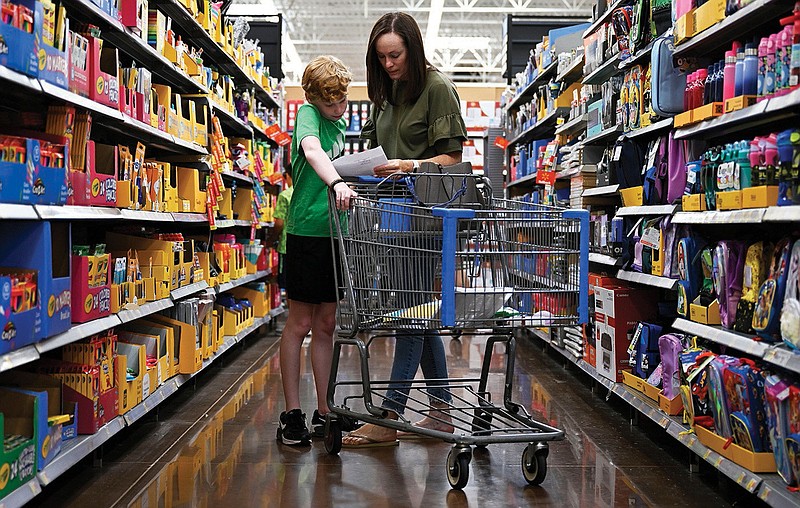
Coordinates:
(646, 210)
(527, 92)
(540, 127)
(606, 190)
(647, 279)
(611, 132)
(573, 72)
(650, 129)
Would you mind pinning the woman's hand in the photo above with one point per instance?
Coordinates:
(393, 167)
(344, 195)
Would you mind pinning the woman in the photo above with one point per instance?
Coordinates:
(416, 117)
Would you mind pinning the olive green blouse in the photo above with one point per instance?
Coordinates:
(430, 126)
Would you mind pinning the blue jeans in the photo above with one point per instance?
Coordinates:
(413, 350)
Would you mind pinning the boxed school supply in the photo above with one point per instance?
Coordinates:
(96, 183)
(104, 65)
(53, 43)
(44, 247)
(131, 368)
(18, 34)
(91, 286)
(18, 455)
(18, 299)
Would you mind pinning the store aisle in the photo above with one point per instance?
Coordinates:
(216, 447)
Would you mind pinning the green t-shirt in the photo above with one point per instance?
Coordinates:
(308, 210)
(282, 212)
(431, 126)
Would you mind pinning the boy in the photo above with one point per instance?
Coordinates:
(311, 287)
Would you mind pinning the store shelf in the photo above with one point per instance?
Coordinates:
(640, 55)
(782, 214)
(138, 411)
(78, 332)
(277, 311)
(611, 132)
(128, 315)
(250, 329)
(787, 358)
(750, 216)
(775, 493)
(605, 16)
(730, 122)
(603, 73)
(650, 129)
(543, 126)
(546, 282)
(721, 34)
(237, 176)
(627, 211)
(227, 286)
(54, 92)
(191, 289)
(532, 87)
(189, 217)
(67, 212)
(606, 190)
(78, 448)
(642, 404)
(147, 215)
(572, 73)
(14, 78)
(228, 120)
(22, 494)
(17, 212)
(603, 259)
(18, 357)
(573, 126)
(722, 336)
(647, 280)
(527, 180)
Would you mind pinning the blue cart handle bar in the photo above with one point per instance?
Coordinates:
(450, 218)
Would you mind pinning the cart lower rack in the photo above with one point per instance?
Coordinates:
(409, 269)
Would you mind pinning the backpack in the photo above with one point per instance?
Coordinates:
(753, 275)
(626, 163)
(669, 349)
(661, 16)
(766, 314)
(641, 30)
(718, 397)
(688, 273)
(655, 181)
(694, 387)
(694, 184)
(744, 390)
(667, 81)
(790, 315)
(776, 395)
(644, 349)
(634, 98)
(728, 268)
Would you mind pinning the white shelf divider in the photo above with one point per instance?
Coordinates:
(647, 280)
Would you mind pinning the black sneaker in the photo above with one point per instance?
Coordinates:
(318, 424)
(292, 428)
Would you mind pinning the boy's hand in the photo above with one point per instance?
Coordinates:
(393, 167)
(344, 195)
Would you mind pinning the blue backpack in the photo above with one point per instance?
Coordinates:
(766, 315)
(668, 81)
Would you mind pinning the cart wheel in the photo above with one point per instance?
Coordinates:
(333, 436)
(534, 465)
(458, 468)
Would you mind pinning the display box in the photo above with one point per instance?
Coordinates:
(708, 15)
(19, 461)
(51, 183)
(740, 102)
(96, 184)
(169, 186)
(45, 247)
(33, 414)
(190, 190)
(755, 462)
(158, 111)
(207, 335)
(685, 118)
(693, 203)
(617, 311)
(673, 406)
(711, 110)
(705, 315)
(131, 368)
(134, 15)
(163, 100)
(188, 350)
(632, 196)
(17, 327)
(93, 412)
(760, 197)
(729, 200)
(21, 47)
(158, 370)
(104, 65)
(53, 65)
(243, 203)
(91, 299)
(17, 177)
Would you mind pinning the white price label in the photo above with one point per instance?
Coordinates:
(651, 238)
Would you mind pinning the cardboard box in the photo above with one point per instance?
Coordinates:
(21, 48)
(740, 102)
(170, 186)
(80, 70)
(154, 348)
(90, 299)
(19, 462)
(708, 15)
(729, 200)
(96, 184)
(53, 68)
(93, 412)
(187, 347)
(189, 189)
(632, 196)
(134, 15)
(617, 310)
(760, 197)
(17, 180)
(104, 65)
(685, 118)
(633, 381)
(693, 203)
(755, 462)
(130, 357)
(712, 110)
(47, 438)
(684, 27)
(705, 315)
(673, 406)
(163, 99)
(17, 327)
(45, 247)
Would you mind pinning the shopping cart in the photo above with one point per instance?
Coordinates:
(486, 265)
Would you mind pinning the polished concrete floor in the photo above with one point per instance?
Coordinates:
(213, 445)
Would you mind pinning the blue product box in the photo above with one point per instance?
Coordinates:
(51, 185)
(566, 39)
(16, 178)
(45, 247)
(48, 439)
(17, 328)
(18, 48)
(53, 66)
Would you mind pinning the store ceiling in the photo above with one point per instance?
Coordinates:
(463, 38)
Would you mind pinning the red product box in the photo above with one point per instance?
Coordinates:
(104, 63)
(275, 294)
(617, 310)
(91, 299)
(93, 414)
(97, 185)
(80, 69)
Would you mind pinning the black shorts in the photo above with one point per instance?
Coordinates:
(308, 264)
